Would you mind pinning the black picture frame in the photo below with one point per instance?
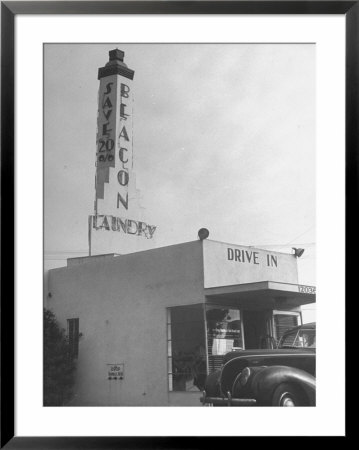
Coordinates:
(9, 9)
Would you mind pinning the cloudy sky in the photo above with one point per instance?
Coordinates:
(224, 138)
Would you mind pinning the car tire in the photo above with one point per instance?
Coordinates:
(287, 395)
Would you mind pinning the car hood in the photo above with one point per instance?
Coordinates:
(267, 352)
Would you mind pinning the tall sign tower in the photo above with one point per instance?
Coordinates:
(117, 225)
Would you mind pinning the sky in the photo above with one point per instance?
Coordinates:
(224, 138)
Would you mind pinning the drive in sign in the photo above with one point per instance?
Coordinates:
(226, 264)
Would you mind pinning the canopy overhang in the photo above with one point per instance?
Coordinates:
(262, 295)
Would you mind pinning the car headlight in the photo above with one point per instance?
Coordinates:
(244, 376)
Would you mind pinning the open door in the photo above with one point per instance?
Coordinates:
(258, 329)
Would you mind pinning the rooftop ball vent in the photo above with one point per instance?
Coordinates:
(203, 233)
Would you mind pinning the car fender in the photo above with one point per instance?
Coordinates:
(267, 380)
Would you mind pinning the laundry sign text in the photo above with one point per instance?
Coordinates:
(122, 225)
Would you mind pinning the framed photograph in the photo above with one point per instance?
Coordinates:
(179, 174)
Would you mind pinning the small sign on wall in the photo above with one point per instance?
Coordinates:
(115, 371)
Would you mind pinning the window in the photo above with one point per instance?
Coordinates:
(224, 333)
(73, 336)
(284, 321)
(194, 330)
(299, 338)
(187, 367)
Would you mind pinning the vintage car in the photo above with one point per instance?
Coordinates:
(284, 376)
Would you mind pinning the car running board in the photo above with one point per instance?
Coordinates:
(226, 401)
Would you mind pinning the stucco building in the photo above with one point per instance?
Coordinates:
(147, 327)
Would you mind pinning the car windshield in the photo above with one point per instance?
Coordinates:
(298, 339)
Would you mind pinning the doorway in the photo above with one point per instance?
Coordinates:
(256, 333)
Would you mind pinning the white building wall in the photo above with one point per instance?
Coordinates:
(121, 305)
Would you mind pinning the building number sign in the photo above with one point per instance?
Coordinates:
(306, 289)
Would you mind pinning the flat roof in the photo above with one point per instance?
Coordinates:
(269, 294)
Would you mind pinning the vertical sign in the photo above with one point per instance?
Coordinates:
(124, 144)
(114, 136)
(117, 206)
(106, 123)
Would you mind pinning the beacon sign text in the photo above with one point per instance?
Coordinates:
(123, 175)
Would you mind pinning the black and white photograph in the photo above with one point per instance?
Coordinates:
(179, 224)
